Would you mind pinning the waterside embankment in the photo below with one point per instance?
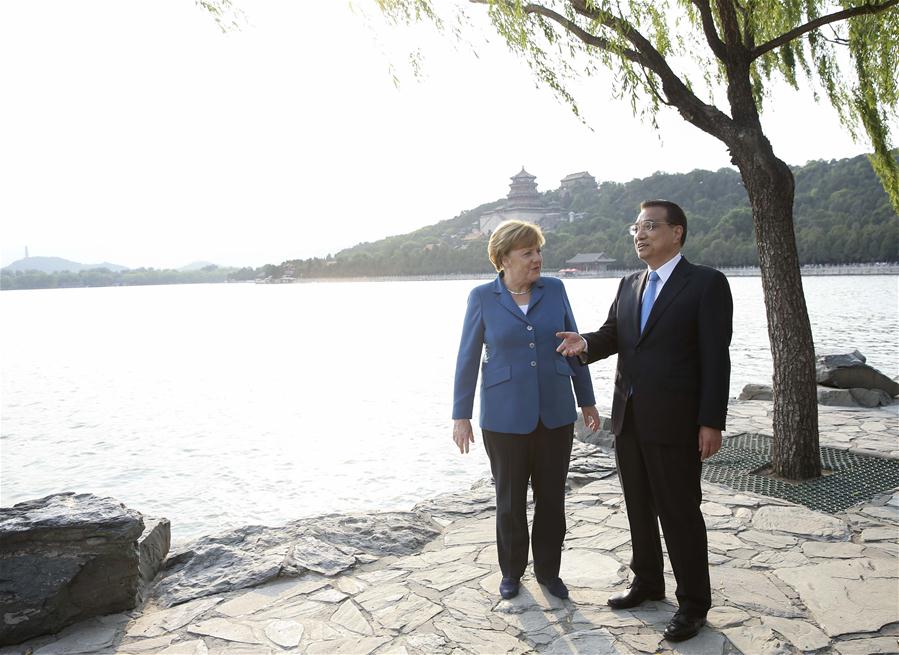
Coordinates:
(741, 271)
(785, 578)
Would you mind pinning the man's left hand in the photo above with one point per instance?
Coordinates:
(709, 441)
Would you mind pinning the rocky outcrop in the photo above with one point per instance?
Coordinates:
(446, 508)
(603, 437)
(67, 557)
(251, 555)
(785, 579)
(849, 371)
(333, 544)
(757, 392)
(853, 397)
(153, 546)
(590, 462)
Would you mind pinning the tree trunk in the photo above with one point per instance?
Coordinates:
(770, 186)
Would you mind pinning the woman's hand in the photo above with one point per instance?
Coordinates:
(462, 434)
(591, 418)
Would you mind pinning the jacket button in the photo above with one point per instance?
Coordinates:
(530, 327)
(533, 363)
(531, 345)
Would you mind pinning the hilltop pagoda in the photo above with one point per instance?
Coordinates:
(523, 203)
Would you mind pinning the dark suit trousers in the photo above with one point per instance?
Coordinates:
(541, 457)
(662, 484)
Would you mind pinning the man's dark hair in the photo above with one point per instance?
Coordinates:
(673, 214)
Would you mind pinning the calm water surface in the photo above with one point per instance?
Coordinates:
(223, 405)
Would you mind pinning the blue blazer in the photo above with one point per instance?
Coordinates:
(523, 378)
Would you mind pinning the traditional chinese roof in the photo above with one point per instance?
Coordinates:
(590, 258)
(524, 174)
(573, 177)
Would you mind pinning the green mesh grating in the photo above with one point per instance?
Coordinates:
(853, 478)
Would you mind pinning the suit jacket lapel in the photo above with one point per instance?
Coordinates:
(637, 300)
(505, 299)
(678, 280)
(536, 295)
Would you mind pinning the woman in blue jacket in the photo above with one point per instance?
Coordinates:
(527, 407)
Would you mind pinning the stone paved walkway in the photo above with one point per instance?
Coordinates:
(785, 579)
(859, 430)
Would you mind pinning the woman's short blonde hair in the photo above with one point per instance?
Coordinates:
(511, 235)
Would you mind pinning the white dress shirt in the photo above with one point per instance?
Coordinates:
(664, 271)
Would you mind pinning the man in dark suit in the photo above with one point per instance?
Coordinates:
(671, 327)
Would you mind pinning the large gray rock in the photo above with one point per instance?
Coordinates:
(835, 397)
(849, 371)
(757, 392)
(67, 557)
(871, 397)
(251, 555)
(153, 545)
(603, 437)
(853, 397)
(837, 359)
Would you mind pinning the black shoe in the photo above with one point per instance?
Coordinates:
(683, 626)
(633, 597)
(508, 588)
(556, 587)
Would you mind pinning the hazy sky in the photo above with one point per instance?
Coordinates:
(138, 133)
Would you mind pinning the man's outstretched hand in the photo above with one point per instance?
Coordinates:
(572, 344)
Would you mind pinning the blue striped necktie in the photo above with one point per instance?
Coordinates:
(649, 297)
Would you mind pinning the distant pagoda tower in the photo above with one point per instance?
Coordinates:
(523, 191)
(523, 203)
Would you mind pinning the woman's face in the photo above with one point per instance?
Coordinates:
(522, 265)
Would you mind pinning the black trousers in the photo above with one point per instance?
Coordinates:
(541, 457)
(662, 484)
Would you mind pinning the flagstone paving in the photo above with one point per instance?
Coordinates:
(870, 431)
(785, 579)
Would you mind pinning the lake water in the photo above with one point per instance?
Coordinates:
(223, 405)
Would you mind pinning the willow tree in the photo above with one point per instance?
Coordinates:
(685, 54)
(848, 49)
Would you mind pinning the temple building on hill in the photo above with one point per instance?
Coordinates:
(525, 203)
(582, 180)
(577, 184)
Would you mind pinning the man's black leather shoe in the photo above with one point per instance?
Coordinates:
(683, 626)
(556, 587)
(633, 597)
(508, 588)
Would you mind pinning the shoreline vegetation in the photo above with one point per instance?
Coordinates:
(843, 225)
(743, 271)
(35, 280)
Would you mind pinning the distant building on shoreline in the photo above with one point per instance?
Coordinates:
(590, 262)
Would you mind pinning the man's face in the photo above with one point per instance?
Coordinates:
(656, 246)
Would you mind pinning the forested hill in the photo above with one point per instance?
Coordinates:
(842, 215)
